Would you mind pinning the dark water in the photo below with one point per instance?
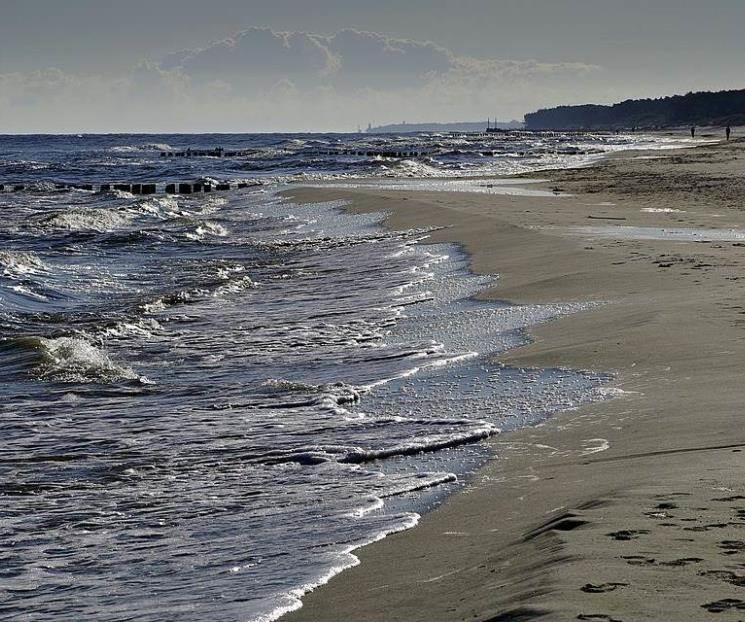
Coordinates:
(209, 402)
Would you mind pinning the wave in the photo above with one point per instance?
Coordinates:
(320, 454)
(207, 229)
(111, 219)
(225, 286)
(87, 219)
(292, 600)
(419, 482)
(143, 328)
(117, 194)
(235, 286)
(163, 208)
(19, 264)
(420, 446)
(69, 359)
(337, 392)
(140, 148)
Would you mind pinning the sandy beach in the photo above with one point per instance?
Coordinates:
(628, 509)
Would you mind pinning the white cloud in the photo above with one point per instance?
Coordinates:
(265, 80)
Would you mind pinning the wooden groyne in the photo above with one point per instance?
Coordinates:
(378, 154)
(136, 188)
(219, 152)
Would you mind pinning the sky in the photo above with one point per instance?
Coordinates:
(333, 65)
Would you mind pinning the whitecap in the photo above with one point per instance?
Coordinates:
(75, 359)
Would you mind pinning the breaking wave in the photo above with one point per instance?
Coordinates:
(21, 264)
(70, 359)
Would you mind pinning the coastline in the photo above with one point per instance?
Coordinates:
(528, 539)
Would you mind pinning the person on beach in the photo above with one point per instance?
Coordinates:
(693, 131)
(728, 131)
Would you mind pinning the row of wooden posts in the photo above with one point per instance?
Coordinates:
(190, 188)
(221, 153)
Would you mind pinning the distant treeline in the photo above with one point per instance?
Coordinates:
(703, 108)
(463, 126)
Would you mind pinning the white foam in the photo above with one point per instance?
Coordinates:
(506, 187)
(89, 219)
(293, 599)
(19, 263)
(74, 359)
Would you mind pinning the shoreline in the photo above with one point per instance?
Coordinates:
(528, 538)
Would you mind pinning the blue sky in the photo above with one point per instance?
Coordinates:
(230, 65)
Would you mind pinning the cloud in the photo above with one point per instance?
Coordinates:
(257, 55)
(373, 59)
(349, 58)
(260, 79)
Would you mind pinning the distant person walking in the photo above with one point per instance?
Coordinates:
(728, 131)
(693, 131)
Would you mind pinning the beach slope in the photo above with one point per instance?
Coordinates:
(628, 509)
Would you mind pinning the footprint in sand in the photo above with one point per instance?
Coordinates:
(732, 547)
(729, 499)
(727, 604)
(640, 560)
(667, 505)
(603, 588)
(725, 575)
(627, 534)
(686, 561)
(707, 527)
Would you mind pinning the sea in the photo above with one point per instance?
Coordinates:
(209, 402)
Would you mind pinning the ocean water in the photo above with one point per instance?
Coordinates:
(273, 158)
(209, 402)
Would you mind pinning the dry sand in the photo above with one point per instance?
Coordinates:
(630, 509)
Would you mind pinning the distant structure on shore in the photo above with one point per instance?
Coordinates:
(702, 108)
(464, 126)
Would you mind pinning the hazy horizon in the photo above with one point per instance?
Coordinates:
(231, 66)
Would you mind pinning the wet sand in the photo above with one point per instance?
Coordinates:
(629, 509)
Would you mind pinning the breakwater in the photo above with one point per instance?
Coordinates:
(134, 188)
(219, 152)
